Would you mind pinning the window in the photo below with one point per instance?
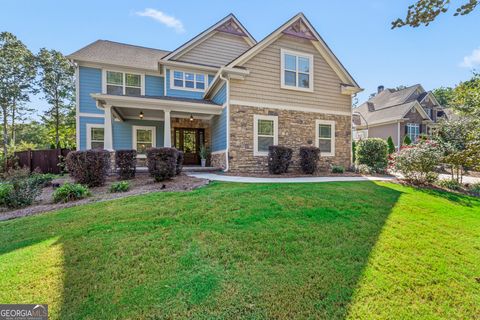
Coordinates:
(95, 136)
(325, 137)
(143, 138)
(120, 83)
(265, 134)
(413, 131)
(188, 80)
(297, 70)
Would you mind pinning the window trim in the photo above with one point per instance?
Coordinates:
(283, 52)
(332, 139)
(173, 86)
(134, 137)
(257, 117)
(91, 126)
(124, 86)
(410, 125)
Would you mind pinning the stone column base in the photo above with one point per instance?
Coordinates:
(218, 160)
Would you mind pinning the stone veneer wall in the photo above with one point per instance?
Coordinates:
(218, 160)
(295, 129)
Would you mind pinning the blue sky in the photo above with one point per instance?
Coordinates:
(357, 31)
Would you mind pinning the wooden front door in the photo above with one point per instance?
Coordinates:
(189, 141)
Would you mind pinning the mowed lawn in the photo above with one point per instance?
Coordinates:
(359, 250)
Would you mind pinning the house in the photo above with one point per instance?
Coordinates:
(396, 113)
(221, 89)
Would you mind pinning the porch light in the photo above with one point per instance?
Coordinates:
(191, 117)
(140, 115)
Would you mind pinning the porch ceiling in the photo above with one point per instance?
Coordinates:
(150, 114)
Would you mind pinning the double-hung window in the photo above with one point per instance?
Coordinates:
(265, 134)
(122, 83)
(95, 136)
(297, 70)
(188, 80)
(143, 138)
(413, 131)
(325, 137)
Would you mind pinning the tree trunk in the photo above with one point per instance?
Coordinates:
(57, 125)
(13, 127)
(5, 136)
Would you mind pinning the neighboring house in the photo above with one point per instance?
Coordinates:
(222, 89)
(395, 113)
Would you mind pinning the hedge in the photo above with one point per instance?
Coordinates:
(309, 157)
(89, 167)
(279, 159)
(162, 163)
(126, 162)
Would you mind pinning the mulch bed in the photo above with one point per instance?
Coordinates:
(141, 184)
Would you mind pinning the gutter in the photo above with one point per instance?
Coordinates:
(227, 84)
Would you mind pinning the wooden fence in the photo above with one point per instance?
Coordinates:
(46, 161)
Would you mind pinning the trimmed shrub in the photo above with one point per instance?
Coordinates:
(450, 184)
(309, 157)
(70, 192)
(162, 163)
(373, 153)
(89, 167)
(126, 163)
(391, 145)
(407, 141)
(474, 188)
(363, 169)
(354, 151)
(279, 159)
(338, 169)
(180, 158)
(121, 186)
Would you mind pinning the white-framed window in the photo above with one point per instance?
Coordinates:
(185, 80)
(95, 136)
(296, 70)
(413, 131)
(325, 137)
(265, 134)
(123, 83)
(143, 138)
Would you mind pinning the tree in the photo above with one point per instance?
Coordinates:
(444, 96)
(391, 145)
(466, 97)
(423, 12)
(57, 84)
(407, 141)
(17, 74)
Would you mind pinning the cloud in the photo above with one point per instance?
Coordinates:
(471, 60)
(169, 21)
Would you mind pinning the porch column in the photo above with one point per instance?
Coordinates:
(108, 133)
(167, 134)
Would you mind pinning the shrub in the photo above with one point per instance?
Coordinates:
(126, 162)
(70, 192)
(121, 186)
(391, 145)
(363, 169)
(354, 148)
(309, 157)
(89, 167)
(418, 162)
(407, 141)
(474, 188)
(338, 169)
(42, 179)
(450, 184)
(279, 159)
(5, 189)
(180, 158)
(162, 163)
(372, 152)
(20, 193)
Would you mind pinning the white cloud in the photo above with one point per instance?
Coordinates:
(471, 60)
(169, 21)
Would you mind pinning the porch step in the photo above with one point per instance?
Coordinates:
(188, 169)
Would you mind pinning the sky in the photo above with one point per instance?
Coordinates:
(358, 32)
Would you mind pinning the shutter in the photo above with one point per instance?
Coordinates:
(406, 129)
(420, 128)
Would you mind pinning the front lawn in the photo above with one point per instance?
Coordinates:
(358, 250)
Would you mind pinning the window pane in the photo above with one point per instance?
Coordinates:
(97, 145)
(114, 77)
(97, 134)
(133, 91)
(325, 131)
(114, 90)
(303, 80)
(189, 84)
(178, 75)
(290, 78)
(178, 83)
(265, 127)
(290, 62)
(325, 145)
(200, 78)
(264, 143)
(200, 85)
(133, 80)
(304, 65)
(189, 76)
(144, 135)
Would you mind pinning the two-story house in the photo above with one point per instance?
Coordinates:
(221, 89)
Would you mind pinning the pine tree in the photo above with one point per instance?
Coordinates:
(407, 141)
(391, 145)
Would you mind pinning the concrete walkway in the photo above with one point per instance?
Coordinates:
(219, 177)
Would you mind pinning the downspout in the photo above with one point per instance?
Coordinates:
(227, 84)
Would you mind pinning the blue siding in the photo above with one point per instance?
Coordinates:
(154, 86)
(221, 96)
(83, 129)
(219, 131)
(122, 132)
(90, 82)
(184, 93)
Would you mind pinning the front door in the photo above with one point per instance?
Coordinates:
(189, 141)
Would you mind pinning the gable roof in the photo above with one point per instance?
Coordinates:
(223, 25)
(299, 25)
(119, 54)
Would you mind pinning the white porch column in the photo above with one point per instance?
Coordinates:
(108, 132)
(167, 134)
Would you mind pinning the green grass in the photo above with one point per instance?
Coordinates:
(359, 250)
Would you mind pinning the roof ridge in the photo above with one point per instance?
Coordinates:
(131, 45)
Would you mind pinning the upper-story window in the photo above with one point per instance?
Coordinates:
(123, 83)
(188, 80)
(297, 70)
